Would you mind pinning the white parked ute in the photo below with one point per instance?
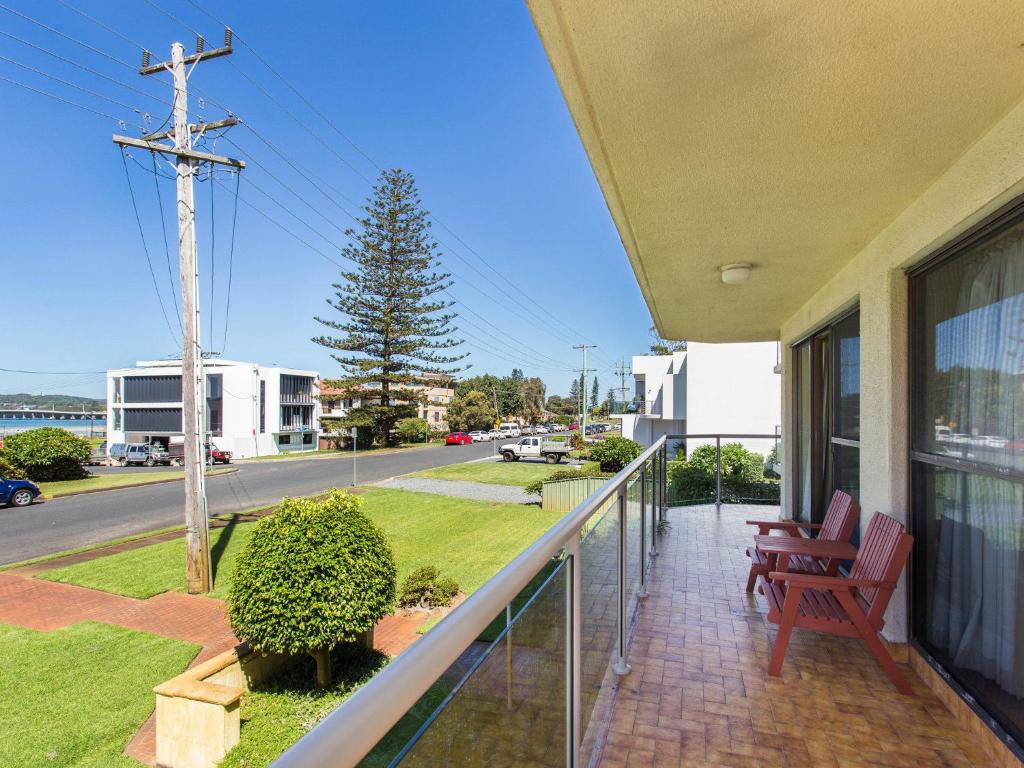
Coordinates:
(552, 451)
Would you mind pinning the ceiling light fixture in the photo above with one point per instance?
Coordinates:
(735, 274)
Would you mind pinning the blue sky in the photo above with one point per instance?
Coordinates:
(458, 93)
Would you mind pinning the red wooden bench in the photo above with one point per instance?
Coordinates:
(850, 607)
(840, 520)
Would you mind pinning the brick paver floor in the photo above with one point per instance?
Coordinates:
(699, 692)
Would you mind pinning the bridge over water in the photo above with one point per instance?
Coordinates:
(39, 413)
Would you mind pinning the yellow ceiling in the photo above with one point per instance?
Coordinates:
(785, 134)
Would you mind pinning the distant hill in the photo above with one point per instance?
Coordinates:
(56, 402)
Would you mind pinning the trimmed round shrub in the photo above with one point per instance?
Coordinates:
(314, 574)
(47, 454)
(427, 588)
(615, 453)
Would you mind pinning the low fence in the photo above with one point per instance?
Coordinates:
(564, 495)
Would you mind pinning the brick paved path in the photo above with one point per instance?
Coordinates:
(47, 605)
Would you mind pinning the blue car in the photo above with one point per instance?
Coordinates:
(17, 493)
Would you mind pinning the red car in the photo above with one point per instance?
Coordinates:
(458, 438)
(573, 427)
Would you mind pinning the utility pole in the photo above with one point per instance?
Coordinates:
(583, 395)
(198, 572)
(622, 371)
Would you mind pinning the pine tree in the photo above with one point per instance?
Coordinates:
(395, 331)
(594, 396)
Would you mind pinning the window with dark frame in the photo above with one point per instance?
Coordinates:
(826, 417)
(967, 464)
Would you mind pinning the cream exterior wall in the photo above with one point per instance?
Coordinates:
(986, 177)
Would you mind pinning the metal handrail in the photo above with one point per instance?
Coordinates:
(345, 736)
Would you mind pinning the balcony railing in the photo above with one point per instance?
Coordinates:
(524, 667)
(524, 671)
(639, 407)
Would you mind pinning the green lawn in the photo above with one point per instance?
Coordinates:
(75, 696)
(520, 473)
(467, 540)
(106, 482)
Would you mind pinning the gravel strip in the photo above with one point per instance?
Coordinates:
(465, 489)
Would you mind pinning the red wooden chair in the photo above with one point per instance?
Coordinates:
(840, 520)
(850, 607)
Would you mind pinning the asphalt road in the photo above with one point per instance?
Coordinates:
(76, 521)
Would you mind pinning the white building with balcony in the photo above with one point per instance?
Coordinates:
(251, 410)
(708, 389)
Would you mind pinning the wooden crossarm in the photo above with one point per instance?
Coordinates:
(831, 583)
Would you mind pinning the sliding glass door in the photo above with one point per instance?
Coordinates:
(968, 467)
(827, 411)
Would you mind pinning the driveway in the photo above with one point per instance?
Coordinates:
(77, 521)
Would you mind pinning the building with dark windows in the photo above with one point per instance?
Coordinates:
(251, 410)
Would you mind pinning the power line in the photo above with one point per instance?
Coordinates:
(102, 25)
(93, 72)
(231, 263)
(70, 84)
(249, 156)
(167, 243)
(291, 87)
(288, 231)
(61, 99)
(54, 373)
(67, 37)
(319, 139)
(145, 247)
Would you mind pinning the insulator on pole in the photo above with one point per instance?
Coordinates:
(228, 34)
(200, 44)
(145, 58)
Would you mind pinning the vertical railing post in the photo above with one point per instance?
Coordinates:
(508, 656)
(655, 482)
(621, 667)
(663, 502)
(643, 531)
(573, 652)
(718, 473)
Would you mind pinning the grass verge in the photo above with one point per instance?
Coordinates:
(109, 482)
(466, 539)
(520, 473)
(75, 696)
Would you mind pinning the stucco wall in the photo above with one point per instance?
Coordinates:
(987, 176)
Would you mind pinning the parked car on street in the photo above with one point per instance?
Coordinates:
(495, 434)
(510, 429)
(17, 493)
(540, 429)
(145, 455)
(458, 438)
(215, 455)
(479, 436)
(573, 427)
(551, 451)
(117, 453)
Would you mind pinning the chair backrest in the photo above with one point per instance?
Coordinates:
(840, 519)
(883, 553)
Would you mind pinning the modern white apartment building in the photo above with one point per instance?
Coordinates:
(708, 389)
(251, 410)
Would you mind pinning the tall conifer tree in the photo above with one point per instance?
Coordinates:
(395, 332)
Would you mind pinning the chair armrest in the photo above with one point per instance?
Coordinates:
(828, 582)
(790, 526)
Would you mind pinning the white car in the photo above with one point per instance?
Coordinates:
(495, 434)
(542, 430)
(479, 436)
